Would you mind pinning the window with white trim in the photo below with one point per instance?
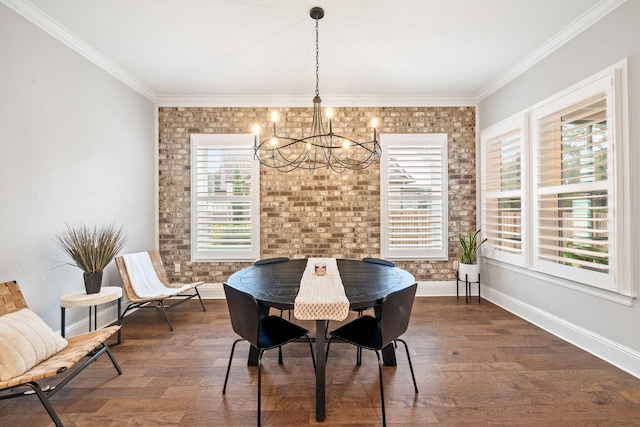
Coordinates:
(574, 186)
(503, 214)
(414, 196)
(225, 198)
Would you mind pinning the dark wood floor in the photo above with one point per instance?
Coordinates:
(476, 365)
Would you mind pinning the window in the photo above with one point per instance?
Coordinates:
(225, 198)
(413, 175)
(502, 190)
(574, 186)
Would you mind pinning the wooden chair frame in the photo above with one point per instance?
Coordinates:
(156, 302)
(91, 344)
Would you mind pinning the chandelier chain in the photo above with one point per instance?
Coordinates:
(317, 62)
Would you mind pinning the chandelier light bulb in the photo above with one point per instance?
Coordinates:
(274, 116)
(274, 142)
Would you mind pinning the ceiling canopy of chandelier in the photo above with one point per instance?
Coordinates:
(320, 149)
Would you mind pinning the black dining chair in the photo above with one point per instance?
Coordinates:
(266, 261)
(262, 333)
(374, 334)
(379, 261)
(360, 311)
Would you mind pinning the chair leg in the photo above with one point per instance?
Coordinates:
(260, 385)
(166, 316)
(415, 385)
(94, 356)
(384, 418)
(226, 378)
(359, 349)
(313, 356)
(280, 362)
(200, 298)
(45, 403)
(113, 359)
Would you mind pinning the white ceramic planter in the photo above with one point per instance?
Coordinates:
(471, 271)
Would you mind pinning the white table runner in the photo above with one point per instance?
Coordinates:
(321, 297)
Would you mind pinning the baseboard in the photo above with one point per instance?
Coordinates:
(211, 291)
(438, 289)
(611, 352)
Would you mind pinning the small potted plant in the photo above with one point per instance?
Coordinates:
(468, 266)
(91, 249)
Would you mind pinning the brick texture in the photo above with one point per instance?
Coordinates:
(312, 215)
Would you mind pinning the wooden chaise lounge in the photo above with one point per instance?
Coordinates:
(91, 344)
(172, 290)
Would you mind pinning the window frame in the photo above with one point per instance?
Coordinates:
(619, 284)
(514, 125)
(439, 140)
(539, 115)
(231, 142)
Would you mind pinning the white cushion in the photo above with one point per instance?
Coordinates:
(144, 279)
(25, 341)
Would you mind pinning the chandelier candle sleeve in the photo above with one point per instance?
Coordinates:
(374, 125)
(320, 149)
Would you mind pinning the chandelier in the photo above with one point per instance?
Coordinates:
(321, 149)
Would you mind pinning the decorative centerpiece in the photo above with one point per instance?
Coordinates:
(468, 266)
(91, 250)
(320, 268)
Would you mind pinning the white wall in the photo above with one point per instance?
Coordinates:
(76, 146)
(607, 329)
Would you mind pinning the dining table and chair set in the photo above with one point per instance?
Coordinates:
(321, 290)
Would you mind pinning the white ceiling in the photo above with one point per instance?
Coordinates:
(245, 50)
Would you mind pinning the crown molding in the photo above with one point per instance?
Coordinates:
(584, 21)
(306, 101)
(40, 19)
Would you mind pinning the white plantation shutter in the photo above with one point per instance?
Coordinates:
(573, 185)
(502, 191)
(225, 198)
(414, 196)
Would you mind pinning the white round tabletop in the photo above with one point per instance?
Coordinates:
(83, 299)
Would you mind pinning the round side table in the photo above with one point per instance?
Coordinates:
(82, 299)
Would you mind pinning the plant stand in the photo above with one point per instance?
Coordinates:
(467, 286)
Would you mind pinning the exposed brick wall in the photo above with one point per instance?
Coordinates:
(312, 215)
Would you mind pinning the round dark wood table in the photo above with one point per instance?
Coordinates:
(276, 285)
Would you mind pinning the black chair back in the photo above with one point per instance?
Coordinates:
(271, 260)
(243, 310)
(379, 261)
(396, 311)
